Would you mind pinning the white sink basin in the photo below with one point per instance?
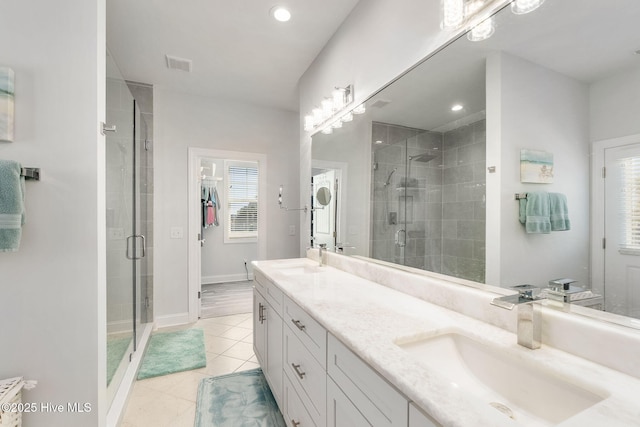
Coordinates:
(518, 388)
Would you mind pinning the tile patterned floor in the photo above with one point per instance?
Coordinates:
(170, 400)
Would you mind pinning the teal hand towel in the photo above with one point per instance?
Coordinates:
(11, 205)
(559, 213)
(537, 213)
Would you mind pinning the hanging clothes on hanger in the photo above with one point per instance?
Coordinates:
(216, 206)
(210, 209)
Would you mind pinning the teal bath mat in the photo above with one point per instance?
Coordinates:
(170, 352)
(235, 400)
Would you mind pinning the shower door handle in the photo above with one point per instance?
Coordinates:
(402, 242)
(144, 245)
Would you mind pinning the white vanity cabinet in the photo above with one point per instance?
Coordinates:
(374, 398)
(267, 332)
(417, 418)
(305, 358)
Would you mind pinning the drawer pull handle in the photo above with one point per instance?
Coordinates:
(295, 423)
(261, 316)
(298, 324)
(297, 369)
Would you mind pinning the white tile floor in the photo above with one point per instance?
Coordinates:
(170, 400)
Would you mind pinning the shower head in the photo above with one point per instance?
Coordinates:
(424, 157)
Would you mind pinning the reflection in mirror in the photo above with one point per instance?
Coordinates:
(434, 164)
(323, 196)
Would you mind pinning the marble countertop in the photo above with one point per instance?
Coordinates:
(370, 318)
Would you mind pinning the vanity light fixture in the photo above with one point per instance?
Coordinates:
(333, 111)
(520, 7)
(280, 14)
(455, 14)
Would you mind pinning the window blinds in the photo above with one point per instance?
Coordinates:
(630, 204)
(242, 201)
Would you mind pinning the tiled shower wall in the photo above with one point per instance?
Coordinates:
(463, 202)
(442, 199)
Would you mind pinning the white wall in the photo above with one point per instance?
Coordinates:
(615, 105)
(52, 291)
(184, 121)
(531, 107)
(377, 42)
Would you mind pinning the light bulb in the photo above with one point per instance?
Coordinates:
(337, 124)
(482, 31)
(317, 116)
(328, 130)
(347, 117)
(520, 7)
(281, 14)
(452, 14)
(338, 98)
(360, 109)
(327, 108)
(456, 107)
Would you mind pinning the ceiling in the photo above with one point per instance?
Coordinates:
(587, 40)
(239, 52)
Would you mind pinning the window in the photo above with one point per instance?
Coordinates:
(630, 205)
(242, 201)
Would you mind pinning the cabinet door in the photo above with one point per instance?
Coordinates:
(340, 411)
(274, 350)
(259, 328)
(417, 418)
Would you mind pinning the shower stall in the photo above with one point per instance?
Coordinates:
(128, 225)
(428, 193)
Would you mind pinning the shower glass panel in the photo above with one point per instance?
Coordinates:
(428, 198)
(125, 243)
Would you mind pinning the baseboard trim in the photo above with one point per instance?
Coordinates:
(206, 280)
(171, 320)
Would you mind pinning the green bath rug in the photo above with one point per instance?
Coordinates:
(170, 352)
(238, 399)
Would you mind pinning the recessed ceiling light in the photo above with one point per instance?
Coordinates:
(456, 107)
(378, 142)
(280, 13)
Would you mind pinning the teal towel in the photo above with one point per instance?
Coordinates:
(559, 213)
(536, 213)
(11, 205)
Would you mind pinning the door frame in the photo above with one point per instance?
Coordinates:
(341, 214)
(598, 208)
(194, 274)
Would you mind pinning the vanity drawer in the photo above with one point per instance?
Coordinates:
(308, 378)
(275, 297)
(259, 281)
(295, 414)
(377, 400)
(308, 331)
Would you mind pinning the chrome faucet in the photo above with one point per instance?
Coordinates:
(529, 314)
(321, 249)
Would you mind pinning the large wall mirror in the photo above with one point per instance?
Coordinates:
(428, 176)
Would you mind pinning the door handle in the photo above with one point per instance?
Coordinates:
(104, 128)
(402, 242)
(297, 369)
(144, 246)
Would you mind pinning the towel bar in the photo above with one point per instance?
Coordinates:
(521, 196)
(30, 173)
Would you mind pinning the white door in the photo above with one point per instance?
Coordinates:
(324, 218)
(622, 230)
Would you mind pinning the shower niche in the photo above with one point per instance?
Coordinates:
(428, 198)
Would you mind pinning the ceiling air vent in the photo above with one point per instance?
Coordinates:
(175, 63)
(381, 103)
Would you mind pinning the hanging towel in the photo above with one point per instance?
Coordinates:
(559, 213)
(11, 205)
(536, 218)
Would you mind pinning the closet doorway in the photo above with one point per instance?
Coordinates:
(226, 229)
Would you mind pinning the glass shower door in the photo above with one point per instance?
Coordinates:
(124, 246)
